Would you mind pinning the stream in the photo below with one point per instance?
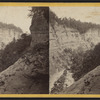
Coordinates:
(54, 78)
(61, 79)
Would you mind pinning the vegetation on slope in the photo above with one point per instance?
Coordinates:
(10, 26)
(82, 62)
(82, 27)
(13, 51)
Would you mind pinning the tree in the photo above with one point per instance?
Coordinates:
(13, 51)
(39, 11)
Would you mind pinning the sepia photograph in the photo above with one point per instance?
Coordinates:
(50, 50)
(24, 50)
(74, 52)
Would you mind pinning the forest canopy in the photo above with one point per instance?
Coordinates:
(82, 27)
(10, 26)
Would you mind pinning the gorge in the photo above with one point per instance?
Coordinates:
(26, 59)
(71, 53)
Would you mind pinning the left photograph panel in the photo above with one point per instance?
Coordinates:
(24, 50)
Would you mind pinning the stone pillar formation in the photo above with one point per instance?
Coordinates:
(40, 26)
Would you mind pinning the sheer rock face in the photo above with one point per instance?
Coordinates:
(63, 38)
(89, 84)
(7, 35)
(39, 29)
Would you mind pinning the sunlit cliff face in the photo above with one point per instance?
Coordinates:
(62, 38)
(39, 30)
(71, 38)
(92, 35)
(8, 35)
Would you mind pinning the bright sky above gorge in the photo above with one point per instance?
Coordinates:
(17, 16)
(84, 14)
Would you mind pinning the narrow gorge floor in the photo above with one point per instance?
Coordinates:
(60, 80)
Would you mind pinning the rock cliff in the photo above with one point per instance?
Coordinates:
(8, 32)
(40, 29)
(30, 73)
(65, 42)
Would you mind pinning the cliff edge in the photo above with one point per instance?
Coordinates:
(30, 73)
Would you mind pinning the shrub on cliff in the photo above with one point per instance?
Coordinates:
(39, 11)
(53, 17)
(77, 64)
(85, 62)
(40, 19)
(13, 51)
(93, 60)
(82, 27)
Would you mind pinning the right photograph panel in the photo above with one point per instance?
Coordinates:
(74, 52)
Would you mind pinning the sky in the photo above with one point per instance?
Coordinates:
(84, 14)
(17, 16)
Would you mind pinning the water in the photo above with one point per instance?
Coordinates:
(54, 78)
(69, 80)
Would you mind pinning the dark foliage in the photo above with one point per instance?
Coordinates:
(53, 18)
(93, 60)
(85, 62)
(10, 26)
(39, 11)
(40, 19)
(82, 27)
(13, 51)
